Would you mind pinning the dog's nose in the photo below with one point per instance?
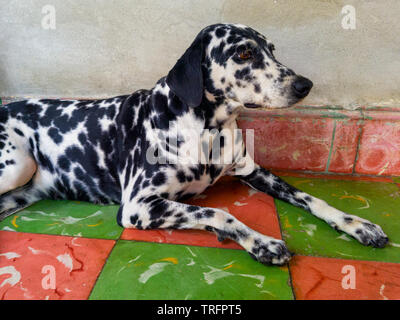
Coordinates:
(301, 87)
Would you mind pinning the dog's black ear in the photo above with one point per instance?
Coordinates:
(186, 78)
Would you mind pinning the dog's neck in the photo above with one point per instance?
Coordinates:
(218, 112)
(215, 111)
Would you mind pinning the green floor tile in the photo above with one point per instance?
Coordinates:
(69, 218)
(140, 270)
(376, 201)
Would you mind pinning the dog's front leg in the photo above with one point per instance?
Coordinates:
(153, 212)
(363, 230)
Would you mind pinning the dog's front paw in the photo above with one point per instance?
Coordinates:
(370, 234)
(366, 232)
(270, 252)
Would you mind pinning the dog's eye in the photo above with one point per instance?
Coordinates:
(245, 55)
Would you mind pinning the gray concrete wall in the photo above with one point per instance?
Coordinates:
(103, 48)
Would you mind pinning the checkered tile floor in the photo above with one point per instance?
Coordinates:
(75, 250)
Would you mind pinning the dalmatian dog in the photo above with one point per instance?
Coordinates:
(134, 150)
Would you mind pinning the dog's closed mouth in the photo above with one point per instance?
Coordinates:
(252, 105)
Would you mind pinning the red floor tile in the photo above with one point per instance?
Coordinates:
(28, 263)
(255, 209)
(322, 278)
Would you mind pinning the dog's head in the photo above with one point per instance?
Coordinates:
(234, 63)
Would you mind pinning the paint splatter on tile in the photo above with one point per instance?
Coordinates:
(69, 218)
(139, 270)
(338, 279)
(44, 267)
(378, 202)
